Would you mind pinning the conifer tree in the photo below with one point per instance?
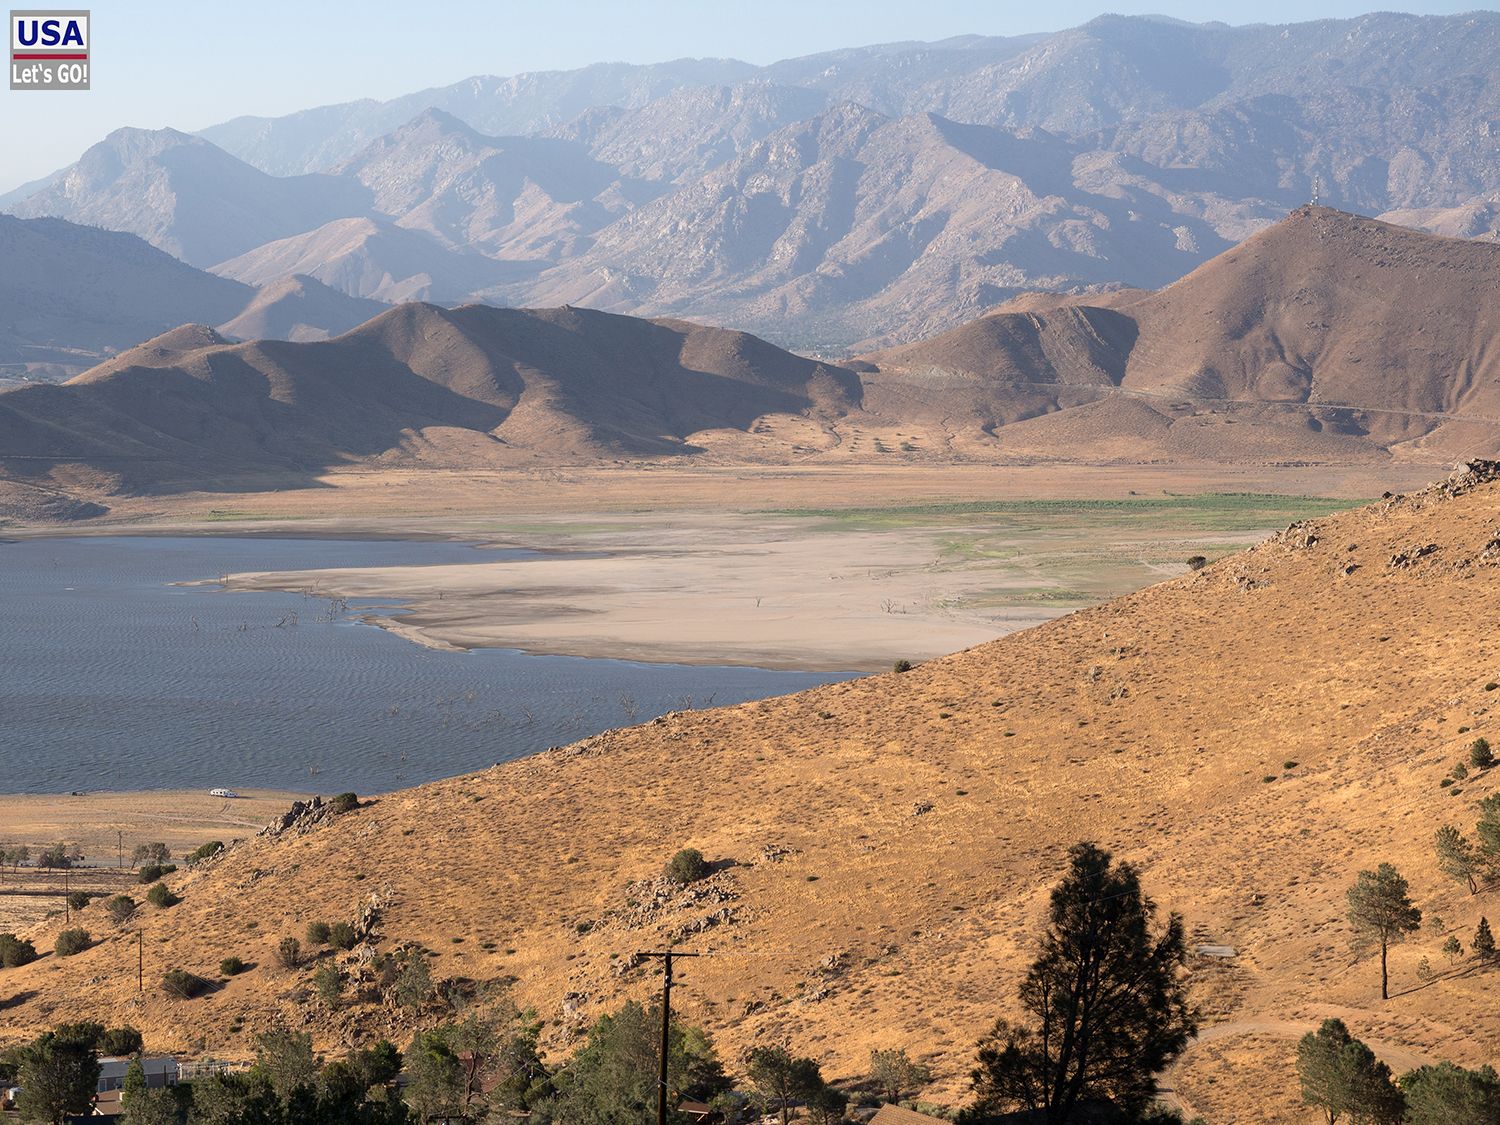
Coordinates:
(1381, 912)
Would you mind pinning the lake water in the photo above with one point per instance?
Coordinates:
(111, 677)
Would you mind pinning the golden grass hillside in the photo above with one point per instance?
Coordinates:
(1252, 734)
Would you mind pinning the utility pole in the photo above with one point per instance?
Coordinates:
(119, 849)
(140, 960)
(666, 1026)
(67, 900)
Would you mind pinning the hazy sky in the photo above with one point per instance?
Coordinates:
(191, 63)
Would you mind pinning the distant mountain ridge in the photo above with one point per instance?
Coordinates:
(837, 203)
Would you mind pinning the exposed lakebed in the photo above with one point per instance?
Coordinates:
(115, 675)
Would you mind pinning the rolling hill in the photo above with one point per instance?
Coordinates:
(1252, 734)
(371, 258)
(1328, 330)
(417, 386)
(1329, 338)
(71, 295)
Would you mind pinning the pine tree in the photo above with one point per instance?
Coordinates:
(1452, 948)
(1488, 833)
(1109, 1010)
(1455, 856)
(1381, 912)
(1483, 944)
(1340, 1075)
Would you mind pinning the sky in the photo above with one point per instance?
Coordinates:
(192, 63)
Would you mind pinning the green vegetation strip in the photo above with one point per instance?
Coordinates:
(1226, 510)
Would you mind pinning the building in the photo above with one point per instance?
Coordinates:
(160, 1071)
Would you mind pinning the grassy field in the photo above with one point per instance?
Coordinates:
(1066, 554)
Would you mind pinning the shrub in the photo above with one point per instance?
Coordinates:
(70, 942)
(1447, 781)
(1459, 771)
(345, 802)
(77, 900)
(232, 967)
(1196, 562)
(207, 851)
(153, 872)
(289, 952)
(317, 933)
(183, 985)
(330, 985)
(15, 951)
(160, 896)
(1491, 686)
(413, 984)
(120, 908)
(121, 1041)
(342, 936)
(1481, 757)
(687, 866)
(901, 666)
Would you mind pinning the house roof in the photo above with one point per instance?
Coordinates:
(896, 1115)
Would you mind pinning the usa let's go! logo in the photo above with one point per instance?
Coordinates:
(49, 50)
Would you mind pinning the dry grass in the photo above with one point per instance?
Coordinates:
(1146, 724)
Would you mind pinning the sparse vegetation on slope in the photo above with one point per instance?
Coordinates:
(851, 921)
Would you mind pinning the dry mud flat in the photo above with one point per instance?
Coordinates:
(817, 590)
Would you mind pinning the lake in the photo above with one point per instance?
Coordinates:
(112, 677)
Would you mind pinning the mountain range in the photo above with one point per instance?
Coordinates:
(1328, 338)
(839, 202)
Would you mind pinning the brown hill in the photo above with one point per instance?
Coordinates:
(71, 295)
(416, 386)
(1327, 332)
(372, 258)
(1252, 734)
(299, 308)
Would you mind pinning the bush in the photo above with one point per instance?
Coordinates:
(232, 967)
(70, 942)
(160, 896)
(289, 952)
(901, 666)
(77, 900)
(153, 872)
(183, 985)
(121, 908)
(207, 851)
(317, 933)
(342, 936)
(345, 802)
(1459, 771)
(15, 952)
(1481, 757)
(1196, 562)
(121, 1041)
(330, 985)
(687, 866)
